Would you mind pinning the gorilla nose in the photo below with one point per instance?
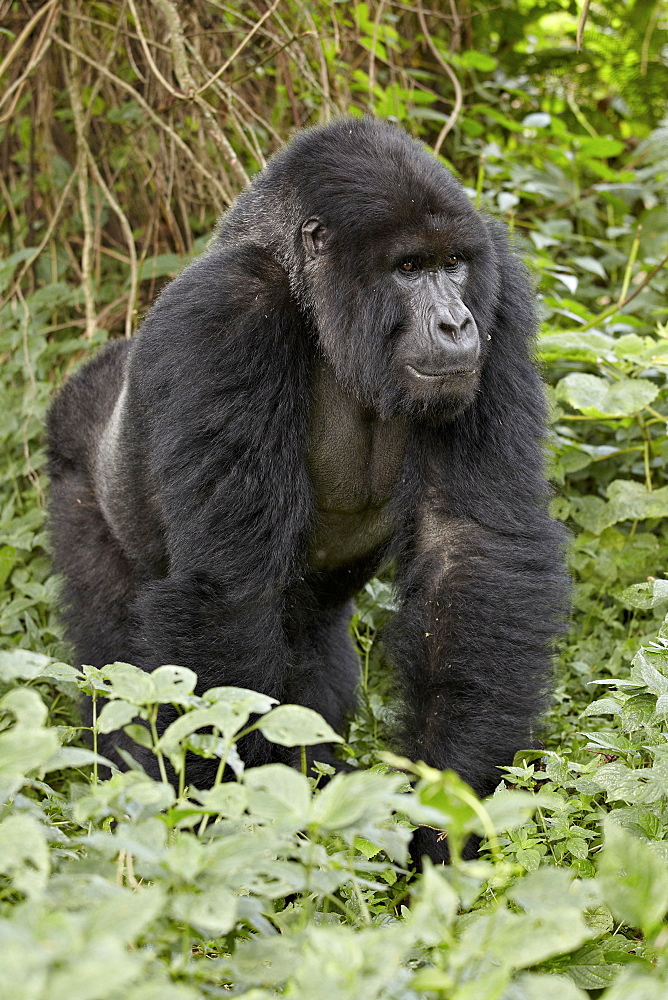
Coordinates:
(455, 344)
(453, 330)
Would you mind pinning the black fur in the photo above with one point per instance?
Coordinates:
(191, 528)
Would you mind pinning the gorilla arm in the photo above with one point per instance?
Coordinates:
(482, 581)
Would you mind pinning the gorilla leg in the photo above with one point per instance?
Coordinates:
(99, 582)
(98, 587)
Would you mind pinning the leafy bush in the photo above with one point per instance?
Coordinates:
(269, 882)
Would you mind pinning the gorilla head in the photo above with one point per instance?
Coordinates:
(387, 257)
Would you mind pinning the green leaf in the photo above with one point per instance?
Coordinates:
(73, 757)
(115, 715)
(163, 264)
(62, 673)
(294, 725)
(174, 685)
(239, 700)
(603, 706)
(578, 847)
(8, 266)
(477, 60)
(26, 746)
(541, 986)
(591, 513)
(593, 265)
(634, 879)
(164, 989)
(139, 734)
(80, 978)
(434, 905)
(24, 853)
(538, 119)
(130, 683)
(211, 913)
(595, 396)
(521, 940)
(23, 664)
(125, 913)
(529, 858)
(638, 712)
(646, 595)
(128, 794)
(278, 793)
(227, 799)
(599, 147)
(509, 809)
(228, 711)
(7, 558)
(348, 798)
(636, 984)
(632, 501)
(643, 671)
(266, 960)
(588, 967)
(618, 780)
(487, 985)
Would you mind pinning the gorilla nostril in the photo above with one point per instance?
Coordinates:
(450, 331)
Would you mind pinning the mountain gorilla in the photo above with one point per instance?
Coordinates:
(343, 378)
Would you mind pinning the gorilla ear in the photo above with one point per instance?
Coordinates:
(313, 236)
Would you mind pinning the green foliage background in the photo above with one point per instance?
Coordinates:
(125, 128)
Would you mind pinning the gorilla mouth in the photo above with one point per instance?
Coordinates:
(446, 373)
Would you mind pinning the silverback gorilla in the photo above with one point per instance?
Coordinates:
(343, 378)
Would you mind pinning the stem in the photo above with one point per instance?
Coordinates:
(73, 82)
(449, 72)
(629, 266)
(648, 473)
(94, 721)
(487, 825)
(153, 719)
(646, 445)
(479, 182)
(182, 776)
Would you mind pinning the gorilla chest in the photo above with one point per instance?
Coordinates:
(354, 460)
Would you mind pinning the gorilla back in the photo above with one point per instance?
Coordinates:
(343, 378)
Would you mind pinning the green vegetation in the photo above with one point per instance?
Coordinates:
(124, 129)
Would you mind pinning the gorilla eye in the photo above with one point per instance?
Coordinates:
(411, 265)
(451, 262)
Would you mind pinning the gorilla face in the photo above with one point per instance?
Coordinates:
(438, 352)
(396, 313)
